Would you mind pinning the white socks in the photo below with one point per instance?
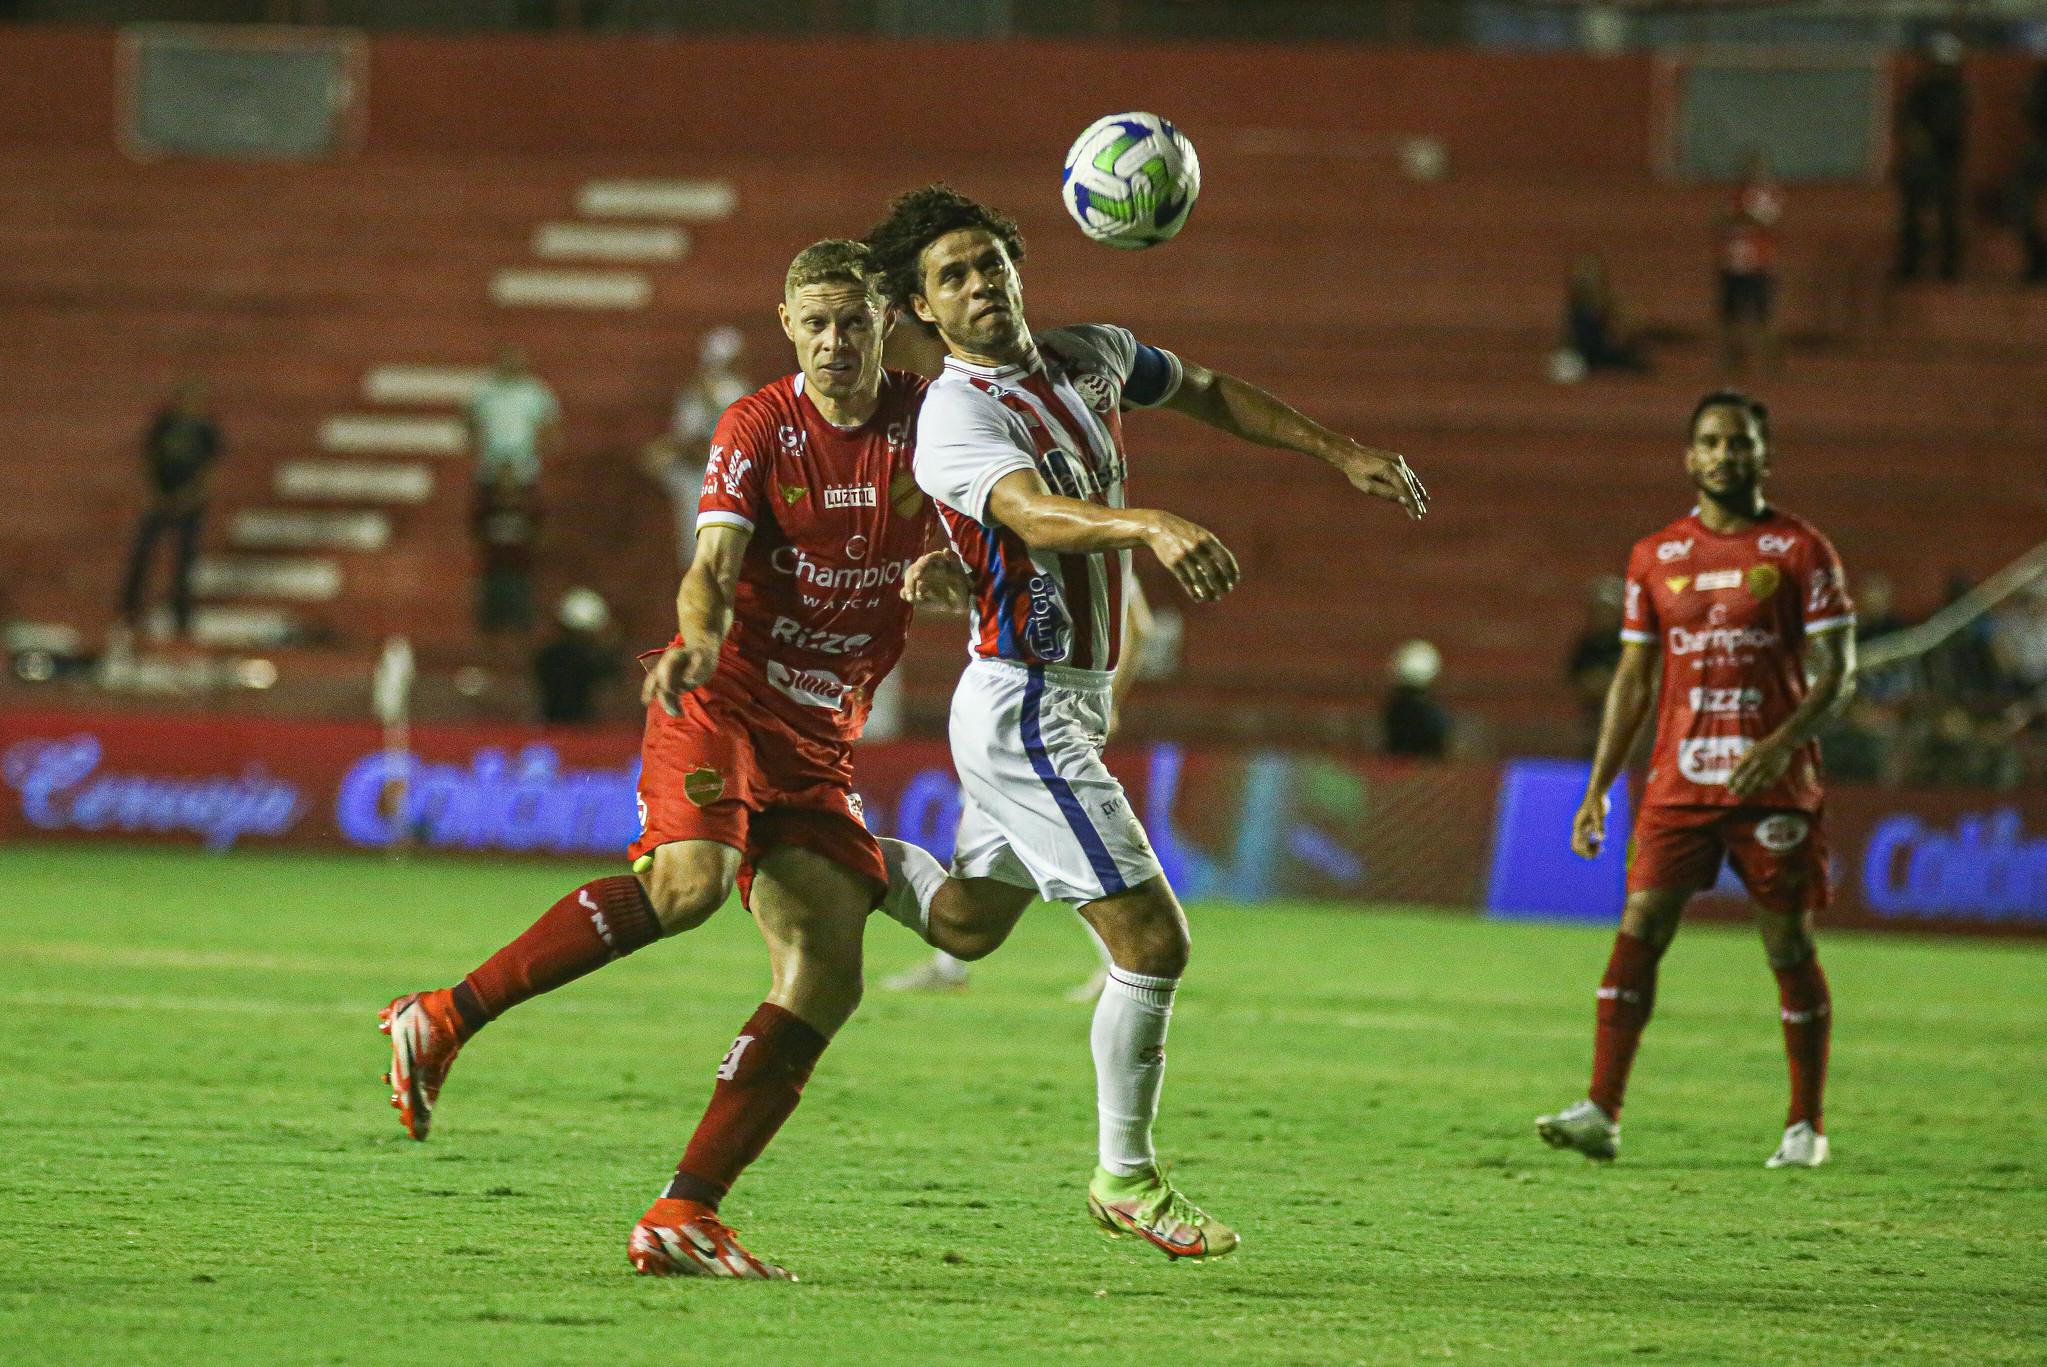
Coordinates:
(1129, 1039)
(914, 878)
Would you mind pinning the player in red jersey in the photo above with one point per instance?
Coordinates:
(793, 608)
(1740, 603)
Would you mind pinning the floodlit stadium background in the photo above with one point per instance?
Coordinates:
(336, 217)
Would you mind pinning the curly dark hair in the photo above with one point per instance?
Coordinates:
(1732, 398)
(918, 218)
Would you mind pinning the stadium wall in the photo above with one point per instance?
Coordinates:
(1230, 825)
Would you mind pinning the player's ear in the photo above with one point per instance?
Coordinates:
(788, 326)
(920, 307)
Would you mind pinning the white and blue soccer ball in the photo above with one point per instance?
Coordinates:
(1131, 180)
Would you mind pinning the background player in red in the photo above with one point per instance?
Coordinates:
(1740, 603)
(793, 608)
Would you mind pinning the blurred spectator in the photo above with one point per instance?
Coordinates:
(577, 661)
(1858, 747)
(1414, 723)
(1596, 335)
(1748, 269)
(675, 460)
(1963, 666)
(1876, 616)
(2031, 180)
(1596, 655)
(1932, 141)
(505, 522)
(514, 422)
(2018, 643)
(1956, 749)
(179, 448)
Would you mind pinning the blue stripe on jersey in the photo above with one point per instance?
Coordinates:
(1005, 620)
(1070, 807)
(1150, 373)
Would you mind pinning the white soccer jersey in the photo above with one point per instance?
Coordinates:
(1063, 419)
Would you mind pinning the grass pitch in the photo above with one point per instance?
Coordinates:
(200, 1167)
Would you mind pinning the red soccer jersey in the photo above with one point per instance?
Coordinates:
(1748, 245)
(836, 518)
(1731, 614)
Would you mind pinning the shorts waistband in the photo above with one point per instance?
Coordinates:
(1066, 676)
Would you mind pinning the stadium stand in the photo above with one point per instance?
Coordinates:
(340, 307)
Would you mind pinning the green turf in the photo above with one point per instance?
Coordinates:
(200, 1167)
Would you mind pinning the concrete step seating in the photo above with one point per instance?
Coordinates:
(354, 481)
(297, 579)
(305, 529)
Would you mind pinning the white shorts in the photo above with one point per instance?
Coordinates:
(1042, 810)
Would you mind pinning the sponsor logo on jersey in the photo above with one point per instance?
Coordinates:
(1710, 760)
(792, 492)
(811, 687)
(1097, 390)
(1676, 582)
(1770, 543)
(1720, 640)
(1726, 701)
(856, 547)
(1784, 831)
(904, 495)
(1674, 550)
(792, 632)
(703, 785)
(898, 434)
(1047, 629)
(851, 496)
(727, 469)
(1763, 580)
(794, 560)
(1713, 580)
(793, 439)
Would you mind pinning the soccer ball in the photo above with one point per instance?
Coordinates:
(1131, 180)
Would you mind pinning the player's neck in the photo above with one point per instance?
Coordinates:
(1022, 353)
(1734, 516)
(848, 412)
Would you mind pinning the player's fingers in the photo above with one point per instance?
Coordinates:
(1224, 563)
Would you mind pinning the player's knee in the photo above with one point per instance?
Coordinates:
(684, 895)
(1788, 941)
(1157, 947)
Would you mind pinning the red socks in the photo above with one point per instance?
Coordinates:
(759, 1084)
(1808, 1011)
(1627, 994)
(593, 925)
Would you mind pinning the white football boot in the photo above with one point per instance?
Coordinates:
(939, 973)
(1584, 1127)
(1802, 1147)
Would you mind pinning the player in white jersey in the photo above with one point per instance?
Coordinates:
(1021, 447)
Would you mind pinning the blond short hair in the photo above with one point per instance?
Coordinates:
(834, 261)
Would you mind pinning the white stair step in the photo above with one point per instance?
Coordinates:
(298, 579)
(307, 529)
(693, 201)
(566, 289)
(451, 384)
(355, 481)
(610, 242)
(396, 434)
(244, 628)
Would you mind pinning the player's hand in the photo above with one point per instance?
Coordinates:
(680, 669)
(1759, 769)
(1201, 564)
(1384, 474)
(1588, 828)
(938, 580)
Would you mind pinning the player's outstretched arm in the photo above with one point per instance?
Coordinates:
(1830, 664)
(1242, 409)
(1627, 702)
(1046, 521)
(703, 614)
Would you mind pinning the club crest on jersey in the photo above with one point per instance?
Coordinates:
(1763, 580)
(703, 785)
(1097, 389)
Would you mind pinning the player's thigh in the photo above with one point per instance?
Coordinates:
(1781, 858)
(1144, 927)
(688, 880)
(1673, 855)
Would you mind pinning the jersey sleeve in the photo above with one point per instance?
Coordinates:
(966, 443)
(1638, 609)
(1149, 375)
(735, 473)
(1827, 605)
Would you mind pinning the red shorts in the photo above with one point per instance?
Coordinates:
(726, 772)
(1780, 856)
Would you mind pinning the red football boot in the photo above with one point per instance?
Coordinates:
(687, 1239)
(425, 1033)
